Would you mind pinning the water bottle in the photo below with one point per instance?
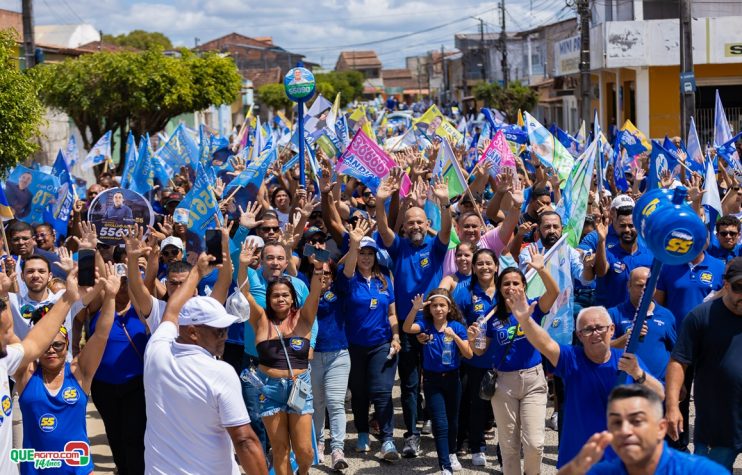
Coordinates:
(447, 354)
(249, 375)
(481, 341)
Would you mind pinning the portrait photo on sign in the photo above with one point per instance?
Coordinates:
(29, 192)
(115, 210)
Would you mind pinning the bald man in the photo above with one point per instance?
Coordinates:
(417, 268)
(659, 333)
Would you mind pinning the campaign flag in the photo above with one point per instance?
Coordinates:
(58, 213)
(633, 139)
(514, 133)
(728, 148)
(548, 149)
(180, 150)
(367, 162)
(581, 136)
(143, 177)
(723, 133)
(29, 192)
(244, 128)
(695, 161)
(401, 142)
(100, 152)
(252, 177)
(619, 164)
(678, 155)
(499, 154)
(711, 200)
(573, 206)
(433, 123)
(659, 161)
(6, 212)
(569, 142)
(71, 153)
(447, 167)
(198, 211)
(559, 322)
(129, 160)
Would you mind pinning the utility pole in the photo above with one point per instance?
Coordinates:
(504, 47)
(583, 10)
(482, 50)
(445, 75)
(29, 46)
(687, 88)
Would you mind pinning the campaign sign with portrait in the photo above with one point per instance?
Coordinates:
(29, 192)
(115, 210)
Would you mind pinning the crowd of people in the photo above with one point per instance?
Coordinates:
(325, 294)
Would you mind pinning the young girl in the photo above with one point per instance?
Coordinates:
(447, 342)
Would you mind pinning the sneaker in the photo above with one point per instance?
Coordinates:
(321, 452)
(553, 422)
(389, 451)
(411, 446)
(479, 459)
(446, 471)
(338, 460)
(427, 428)
(362, 443)
(455, 464)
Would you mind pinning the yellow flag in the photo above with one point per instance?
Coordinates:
(629, 127)
(435, 120)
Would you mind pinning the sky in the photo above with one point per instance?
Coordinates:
(318, 29)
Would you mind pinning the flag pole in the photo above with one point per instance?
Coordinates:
(6, 245)
(231, 195)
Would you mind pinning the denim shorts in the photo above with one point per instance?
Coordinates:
(275, 394)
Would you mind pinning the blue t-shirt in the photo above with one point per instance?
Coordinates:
(686, 286)
(726, 255)
(416, 269)
(590, 240)
(121, 362)
(474, 303)
(660, 338)
(331, 331)
(611, 289)
(365, 308)
(258, 288)
(522, 354)
(586, 388)
(672, 462)
(433, 349)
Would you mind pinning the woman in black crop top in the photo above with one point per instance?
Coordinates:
(288, 428)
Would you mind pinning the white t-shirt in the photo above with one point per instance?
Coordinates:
(155, 315)
(191, 399)
(8, 366)
(22, 306)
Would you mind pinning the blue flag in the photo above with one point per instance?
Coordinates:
(129, 160)
(569, 142)
(659, 161)
(179, 151)
(58, 213)
(198, 211)
(252, 177)
(619, 164)
(143, 177)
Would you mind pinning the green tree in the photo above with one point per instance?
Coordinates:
(274, 96)
(21, 115)
(348, 83)
(140, 39)
(141, 91)
(507, 100)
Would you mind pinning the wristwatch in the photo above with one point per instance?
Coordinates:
(642, 378)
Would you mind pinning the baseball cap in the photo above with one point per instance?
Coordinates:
(172, 241)
(368, 242)
(205, 311)
(734, 270)
(256, 240)
(622, 201)
(174, 197)
(312, 231)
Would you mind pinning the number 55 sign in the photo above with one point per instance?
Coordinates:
(114, 210)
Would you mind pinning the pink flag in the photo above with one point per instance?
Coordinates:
(364, 157)
(499, 154)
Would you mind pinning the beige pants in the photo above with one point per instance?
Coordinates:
(519, 405)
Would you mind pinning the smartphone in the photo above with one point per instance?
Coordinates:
(308, 250)
(321, 255)
(214, 245)
(86, 267)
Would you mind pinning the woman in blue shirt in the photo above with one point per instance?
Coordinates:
(519, 403)
(53, 393)
(463, 256)
(442, 321)
(372, 331)
(330, 370)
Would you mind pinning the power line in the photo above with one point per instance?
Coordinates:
(73, 11)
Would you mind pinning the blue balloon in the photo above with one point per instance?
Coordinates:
(668, 225)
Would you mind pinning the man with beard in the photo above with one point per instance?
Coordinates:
(548, 233)
(621, 203)
(710, 339)
(417, 266)
(613, 266)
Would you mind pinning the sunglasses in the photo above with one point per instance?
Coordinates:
(737, 287)
(170, 252)
(315, 241)
(728, 233)
(273, 229)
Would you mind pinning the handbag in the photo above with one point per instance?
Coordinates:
(300, 389)
(489, 382)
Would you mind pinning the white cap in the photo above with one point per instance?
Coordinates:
(172, 241)
(257, 241)
(205, 311)
(368, 242)
(622, 201)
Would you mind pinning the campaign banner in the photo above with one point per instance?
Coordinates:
(29, 192)
(116, 209)
(433, 123)
(499, 154)
(368, 161)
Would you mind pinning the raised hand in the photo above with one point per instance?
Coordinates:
(519, 306)
(526, 227)
(516, 194)
(288, 239)
(248, 217)
(166, 227)
(133, 241)
(359, 231)
(309, 206)
(248, 252)
(111, 281)
(440, 190)
(325, 181)
(219, 187)
(66, 263)
(239, 165)
(89, 237)
(666, 178)
(418, 302)
(537, 258)
(601, 226)
(6, 281)
(203, 264)
(504, 181)
(591, 453)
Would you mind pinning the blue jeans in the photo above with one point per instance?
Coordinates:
(409, 378)
(475, 411)
(442, 397)
(251, 396)
(330, 372)
(371, 380)
(722, 455)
